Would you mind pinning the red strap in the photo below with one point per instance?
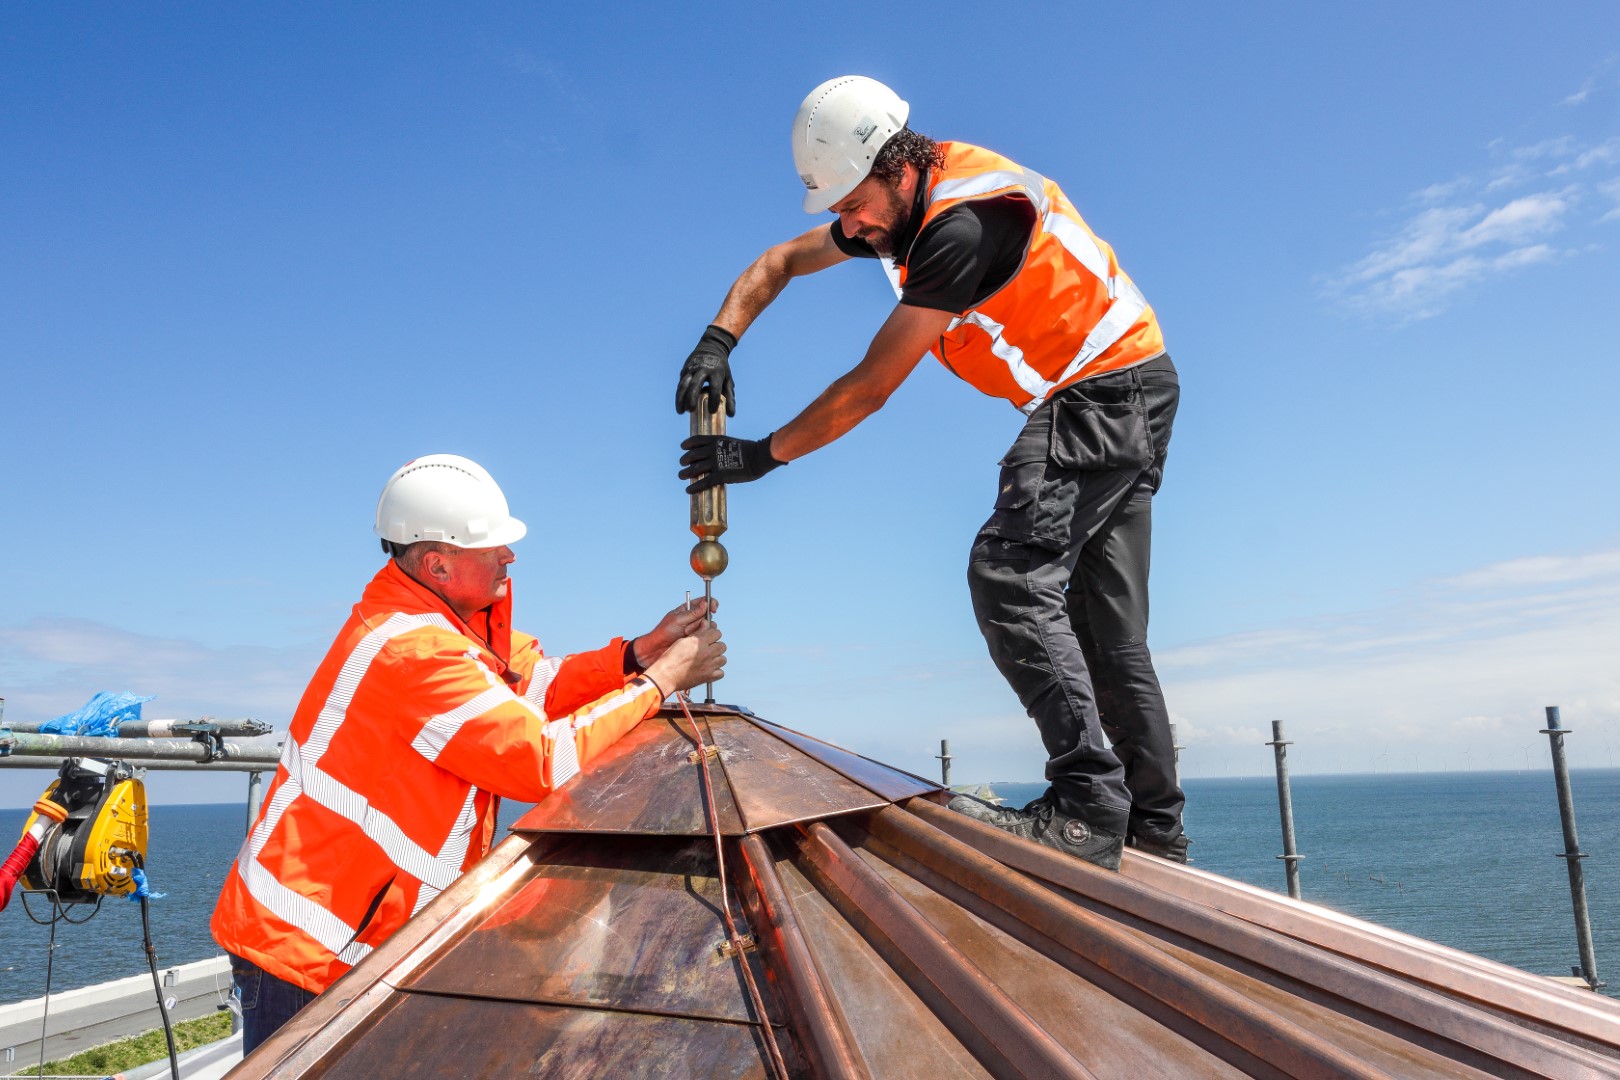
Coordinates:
(15, 865)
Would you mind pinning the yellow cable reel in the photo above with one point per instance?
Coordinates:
(96, 851)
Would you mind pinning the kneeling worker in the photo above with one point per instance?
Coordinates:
(427, 710)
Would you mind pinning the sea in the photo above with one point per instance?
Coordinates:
(1467, 859)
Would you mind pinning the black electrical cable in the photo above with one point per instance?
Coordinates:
(163, 1006)
(50, 966)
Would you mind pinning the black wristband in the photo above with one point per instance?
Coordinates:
(770, 454)
(720, 336)
(632, 666)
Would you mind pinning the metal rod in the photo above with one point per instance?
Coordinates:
(1285, 805)
(1145, 899)
(1572, 855)
(817, 1017)
(1084, 939)
(944, 756)
(993, 1028)
(708, 617)
(32, 761)
(14, 744)
(255, 797)
(162, 729)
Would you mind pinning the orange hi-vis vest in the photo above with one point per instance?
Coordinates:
(1068, 313)
(412, 729)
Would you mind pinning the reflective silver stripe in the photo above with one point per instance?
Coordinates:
(305, 777)
(354, 668)
(331, 932)
(454, 851)
(1126, 301)
(381, 829)
(1119, 318)
(967, 187)
(564, 751)
(1028, 379)
(354, 952)
(1080, 244)
(545, 672)
(892, 272)
(439, 730)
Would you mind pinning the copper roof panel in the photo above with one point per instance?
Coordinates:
(633, 925)
(876, 777)
(773, 783)
(1108, 1036)
(436, 1037)
(895, 941)
(894, 1031)
(646, 783)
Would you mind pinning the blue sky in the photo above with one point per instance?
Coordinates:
(255, 258)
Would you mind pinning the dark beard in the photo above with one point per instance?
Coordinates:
(886, 241)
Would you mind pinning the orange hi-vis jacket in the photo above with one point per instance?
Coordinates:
(1068, 314)
(412, 729)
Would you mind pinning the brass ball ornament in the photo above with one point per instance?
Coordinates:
(709, 559)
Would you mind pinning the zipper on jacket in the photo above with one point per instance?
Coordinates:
(371, 912)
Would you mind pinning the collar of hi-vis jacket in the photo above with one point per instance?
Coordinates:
(395, 590)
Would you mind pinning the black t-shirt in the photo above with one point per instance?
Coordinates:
(965, 254)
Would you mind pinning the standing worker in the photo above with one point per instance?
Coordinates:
(999, 278)
(428, 709)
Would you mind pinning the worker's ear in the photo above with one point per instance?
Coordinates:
(436, 566)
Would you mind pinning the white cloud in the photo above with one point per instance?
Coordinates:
(1463, 233)
(52, 666)
(1561, 147)
(1592, 82)
(49, 667)
(1611, 190)
(1444, 249)
(1455, 675)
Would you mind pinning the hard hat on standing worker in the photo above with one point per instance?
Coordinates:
(447, 498)
(839, 130)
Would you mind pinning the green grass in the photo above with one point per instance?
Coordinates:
(137, 1050)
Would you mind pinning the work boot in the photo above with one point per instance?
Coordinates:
(1174, 850)
(1041, 822)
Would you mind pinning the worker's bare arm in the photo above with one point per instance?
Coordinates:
(769, 274)
(902, 340)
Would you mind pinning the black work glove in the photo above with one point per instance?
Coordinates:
(720, 459)
(708, 369)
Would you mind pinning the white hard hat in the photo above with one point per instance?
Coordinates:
(446, 497)
(840, 128)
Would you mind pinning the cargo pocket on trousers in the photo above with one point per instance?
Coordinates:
(247, 980)
(1014, 513)
(1100, 435)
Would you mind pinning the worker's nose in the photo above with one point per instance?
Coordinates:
(507, 555)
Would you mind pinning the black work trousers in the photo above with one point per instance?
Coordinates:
(1059, 579)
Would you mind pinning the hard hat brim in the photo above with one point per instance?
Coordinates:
(509, 532)
(820, 201)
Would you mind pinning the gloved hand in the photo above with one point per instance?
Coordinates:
(708, 369)
(720, 459)
(47, 807)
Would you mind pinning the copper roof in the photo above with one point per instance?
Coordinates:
(894, 939)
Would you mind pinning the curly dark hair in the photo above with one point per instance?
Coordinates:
(906, 147)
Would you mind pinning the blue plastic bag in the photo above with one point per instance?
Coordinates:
(143, 889)
(101, 715)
